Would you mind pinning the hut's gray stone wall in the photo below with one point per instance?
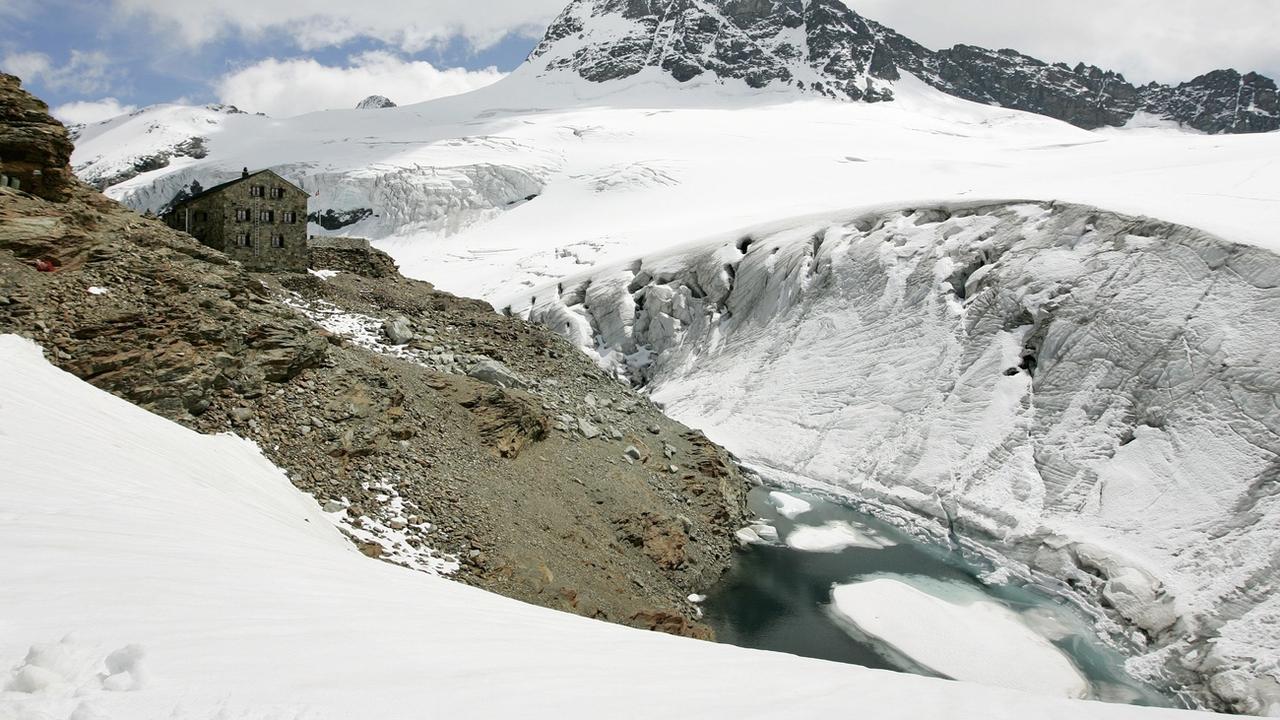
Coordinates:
(260, 220)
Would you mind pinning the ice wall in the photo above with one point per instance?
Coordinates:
(1092, 394)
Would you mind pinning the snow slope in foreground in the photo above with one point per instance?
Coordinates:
(636, 166)
(151, 572)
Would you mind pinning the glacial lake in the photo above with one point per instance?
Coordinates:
(907, 593)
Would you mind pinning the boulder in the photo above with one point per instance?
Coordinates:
(495, 373)
(398, 330)
(588, 430)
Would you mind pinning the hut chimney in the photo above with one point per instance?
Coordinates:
(244, 173)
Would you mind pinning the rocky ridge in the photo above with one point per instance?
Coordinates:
(438, 434)
(822, 46)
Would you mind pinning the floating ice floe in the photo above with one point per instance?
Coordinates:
(789, 506)
(834, 537)
(957, 632)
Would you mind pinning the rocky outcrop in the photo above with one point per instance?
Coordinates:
(1084, 96)
(822, 46)
(338, 219)
(817, 46)
(375, 102)
(1218, 102)
(35, 150)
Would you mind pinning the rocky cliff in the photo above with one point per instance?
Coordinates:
(34, 148)
(822, 46)
(436, 433)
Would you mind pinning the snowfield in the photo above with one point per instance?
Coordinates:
(151, 572)
(543, 174)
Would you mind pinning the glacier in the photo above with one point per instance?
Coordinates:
(156, 573)
(1092, 395)
(954, 311)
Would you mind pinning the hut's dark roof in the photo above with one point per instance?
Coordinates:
(229, 183)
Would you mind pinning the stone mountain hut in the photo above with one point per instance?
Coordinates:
(259, 219)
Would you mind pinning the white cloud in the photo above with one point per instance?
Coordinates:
(411, 26)
(292, 87)
(84, 72)
(1165, 40)
(26, 65)
(90, 111)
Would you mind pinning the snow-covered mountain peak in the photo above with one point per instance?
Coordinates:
(152, 138)
(823, 47)
(816, 45)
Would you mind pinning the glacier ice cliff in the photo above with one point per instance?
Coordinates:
(1092, 395)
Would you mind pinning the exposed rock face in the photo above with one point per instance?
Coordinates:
(1220, 101)
(35, 150)
(375, 102)
(822, 46)
(338, 219)
(1085, 96)
(818, 46)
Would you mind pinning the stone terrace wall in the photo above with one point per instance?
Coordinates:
(353, 255)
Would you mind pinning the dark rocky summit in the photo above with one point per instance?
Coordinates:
(375, 102)
(431, 427)
(822, 46)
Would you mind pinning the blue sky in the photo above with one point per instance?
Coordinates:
(142, 74)
(93, 58)
(128, 53)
